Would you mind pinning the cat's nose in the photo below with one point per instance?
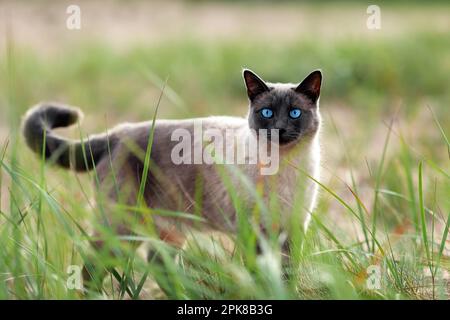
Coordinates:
(281, 131)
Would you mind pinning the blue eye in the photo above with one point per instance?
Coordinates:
(295, 113)
(266, 113)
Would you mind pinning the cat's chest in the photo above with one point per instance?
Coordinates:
(292, 182)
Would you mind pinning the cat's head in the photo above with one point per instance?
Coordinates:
(292, 109)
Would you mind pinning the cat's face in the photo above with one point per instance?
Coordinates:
(292, 109)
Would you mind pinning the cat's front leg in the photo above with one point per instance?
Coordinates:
(282, 245)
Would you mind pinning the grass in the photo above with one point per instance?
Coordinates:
(384, 192)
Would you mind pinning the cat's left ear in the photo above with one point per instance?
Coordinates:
(310, 86)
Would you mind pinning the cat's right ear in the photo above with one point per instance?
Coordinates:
(255, 85)
(310, 86)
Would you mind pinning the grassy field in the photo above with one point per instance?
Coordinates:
(385, 190)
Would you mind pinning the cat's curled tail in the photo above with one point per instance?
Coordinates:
(74, 154)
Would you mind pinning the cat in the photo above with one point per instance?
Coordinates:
(291, 111)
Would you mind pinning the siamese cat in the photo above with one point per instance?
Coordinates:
(118, 156)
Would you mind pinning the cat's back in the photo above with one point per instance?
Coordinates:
(167, 134)
(212, 122)
(168, 129)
